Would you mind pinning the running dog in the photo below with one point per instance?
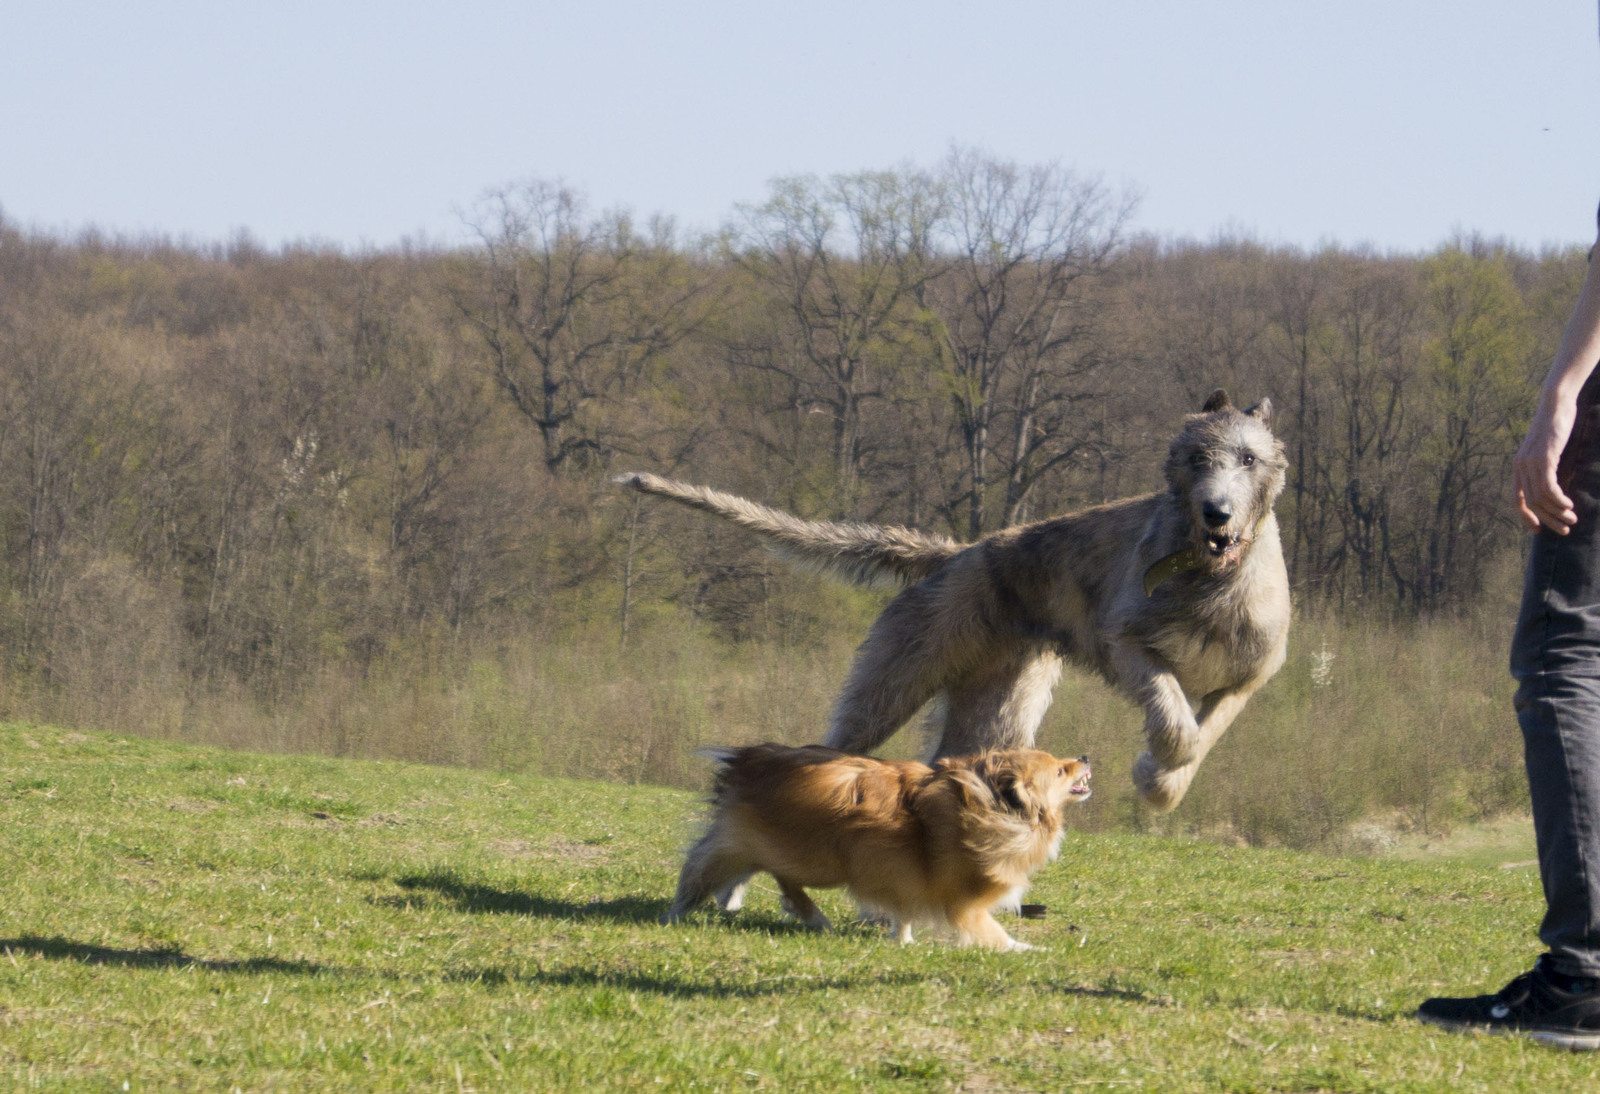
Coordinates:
(1179, 599)
(936, 845)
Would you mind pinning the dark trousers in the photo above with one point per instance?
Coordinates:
(1555, 657)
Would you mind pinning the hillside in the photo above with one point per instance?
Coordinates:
(182, 918)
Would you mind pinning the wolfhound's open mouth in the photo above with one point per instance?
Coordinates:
(1223, 548)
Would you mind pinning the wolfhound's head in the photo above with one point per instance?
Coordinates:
(1225, 470)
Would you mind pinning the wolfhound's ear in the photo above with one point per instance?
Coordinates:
(1263, 412)
(1218, 401)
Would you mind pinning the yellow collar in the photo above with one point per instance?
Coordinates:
(1181, 562)
(1178, 562)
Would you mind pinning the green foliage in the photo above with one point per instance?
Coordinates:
(179, 918)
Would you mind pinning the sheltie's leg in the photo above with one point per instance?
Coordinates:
(976, 927)
(800, 905)
(710, 867)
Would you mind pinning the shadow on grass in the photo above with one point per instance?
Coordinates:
(67, 950)
(682, 987)
(469, 896)
(1127, 995)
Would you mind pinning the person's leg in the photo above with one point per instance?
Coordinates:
(1555, 657)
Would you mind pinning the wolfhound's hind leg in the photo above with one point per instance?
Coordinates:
(908, 657)
(1000, 708)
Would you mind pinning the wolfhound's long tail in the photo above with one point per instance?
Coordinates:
(863, 554)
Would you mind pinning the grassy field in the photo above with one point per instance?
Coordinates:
(1373, 731)
(178, 918)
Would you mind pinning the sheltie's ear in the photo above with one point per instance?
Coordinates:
(1009, 792)
(966, 781)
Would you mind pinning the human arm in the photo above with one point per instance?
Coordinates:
(1539, 498)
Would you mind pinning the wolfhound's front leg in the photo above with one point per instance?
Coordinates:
(1163, 786)
(1170, 729)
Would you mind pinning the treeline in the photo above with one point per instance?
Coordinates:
(233, 468)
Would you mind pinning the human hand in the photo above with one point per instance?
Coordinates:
(1539, 498)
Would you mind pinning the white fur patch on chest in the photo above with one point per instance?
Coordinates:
(1201, 666)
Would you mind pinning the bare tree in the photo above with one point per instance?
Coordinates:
(1370, 364)
(571, 310)
(1475, 365)
(1298, 286)
(843, 262)
(1016, 317)
(56, 392)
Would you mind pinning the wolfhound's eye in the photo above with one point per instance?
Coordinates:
(1248, 459)
(1198, 460)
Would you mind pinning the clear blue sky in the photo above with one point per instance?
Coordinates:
(1393, 123)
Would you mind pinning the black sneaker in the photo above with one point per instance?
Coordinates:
(1541, 1003)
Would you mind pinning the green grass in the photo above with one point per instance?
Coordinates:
(179, 918)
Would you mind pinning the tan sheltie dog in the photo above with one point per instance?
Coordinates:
(937, 846)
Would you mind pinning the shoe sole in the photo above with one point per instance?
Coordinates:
(1573, 1042)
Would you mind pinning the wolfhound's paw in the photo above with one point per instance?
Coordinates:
(1161, 787)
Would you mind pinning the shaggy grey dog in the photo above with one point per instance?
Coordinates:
(1179, 599)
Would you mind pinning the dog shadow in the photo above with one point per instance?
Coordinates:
(664, 984)
(475, 899)
(1122, 995)
(65, 949)
(670, 986)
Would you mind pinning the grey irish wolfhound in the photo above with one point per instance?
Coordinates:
(1179, 599)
